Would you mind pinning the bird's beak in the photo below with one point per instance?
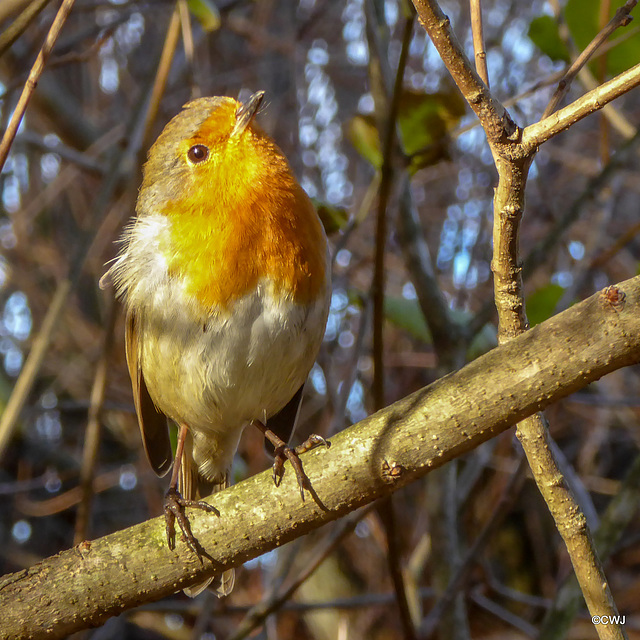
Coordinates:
(246, 113)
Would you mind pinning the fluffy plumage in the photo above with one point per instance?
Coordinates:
(225, 277)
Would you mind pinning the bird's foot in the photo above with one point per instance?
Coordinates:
(284, 452)
(174, 511)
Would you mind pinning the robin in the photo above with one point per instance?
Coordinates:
(225, 276)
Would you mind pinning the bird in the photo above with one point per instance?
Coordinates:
(225, 276)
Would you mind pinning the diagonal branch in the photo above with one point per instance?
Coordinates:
(536, 134)
(492, 115)
(32, 80)
(620, 19)
(84, 586)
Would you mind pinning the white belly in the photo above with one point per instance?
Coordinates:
(229, 369)
(215, 372)
(217, 375)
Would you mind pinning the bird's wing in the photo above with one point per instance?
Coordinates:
(153, 423)
(283, 423)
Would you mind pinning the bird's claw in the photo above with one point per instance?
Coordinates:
(285, 452)
(174, 511)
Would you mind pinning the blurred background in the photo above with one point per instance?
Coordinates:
(72, 464)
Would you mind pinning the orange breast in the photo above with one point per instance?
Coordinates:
(243, 217)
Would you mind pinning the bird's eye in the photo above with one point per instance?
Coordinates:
(198, 153)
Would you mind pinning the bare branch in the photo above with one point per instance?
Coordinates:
(478, 40)
(19, 24)
(620, 19)
(85, 585)
(32, 80)
(536, 134)
(492, 115)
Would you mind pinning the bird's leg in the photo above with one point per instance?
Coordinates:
(283, 452)
(174, 504)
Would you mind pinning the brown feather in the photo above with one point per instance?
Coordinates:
(153, 423)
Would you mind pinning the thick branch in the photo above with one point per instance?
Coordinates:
(85, 585)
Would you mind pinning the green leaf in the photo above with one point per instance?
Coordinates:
(424, 121)
(544, 33)
(207, 14)
(542, 303)
(363, 135)
(582, 17)
(333, 218)
(407, 315)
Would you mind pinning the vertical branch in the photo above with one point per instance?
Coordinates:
(92, 432)
(478, 40)
(533, 432)
(160, 80)
(513, 159)
(386, 182)
(387, 127)
(620, 512)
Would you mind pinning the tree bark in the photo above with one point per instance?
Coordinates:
(84, 586)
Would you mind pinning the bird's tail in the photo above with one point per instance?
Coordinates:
(193, 486)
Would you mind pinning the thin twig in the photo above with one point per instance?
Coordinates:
(187, 43)
(31, 367)
(504, 614)
(29, 212)
(389, 521)
(83, 160)
(620, 19)
(68, 499)
(457, 581)
(19, 24)
(478, 40)
(32, 80)
(92, 432)
(494, 118)
(389, 140)
(160, 81)
(260, 612)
